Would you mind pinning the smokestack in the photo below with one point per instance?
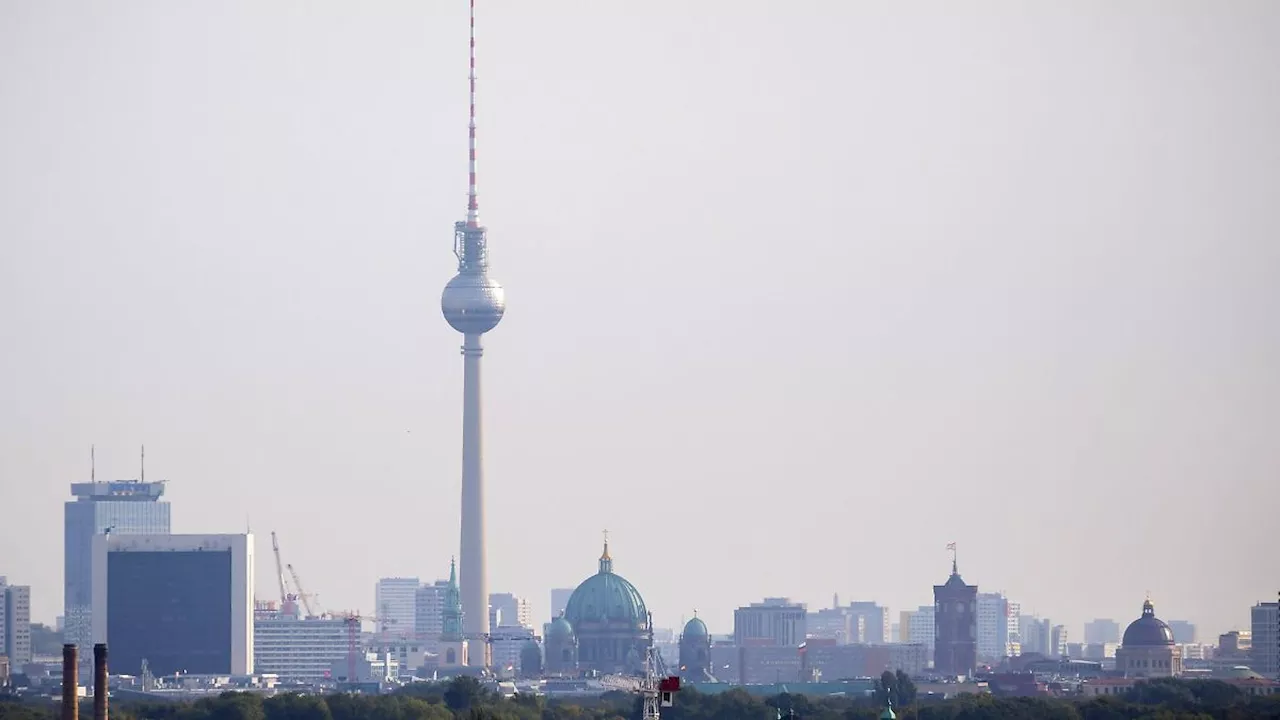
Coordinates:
(70, 682)
(100, 681)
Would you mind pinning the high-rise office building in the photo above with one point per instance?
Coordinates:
(1058, 641)
(1013, 646)
(15, 623)
(298, 649)
(182, 603)
(1184, 631)
(776, 622)
(429, 612)
(1264, 653)
(560, 601)
(993, 627)
(1101, 631)
(1037, 635)
(507, 610)
(920, 628)
(397, 599)
(122, 506)
(872, 622)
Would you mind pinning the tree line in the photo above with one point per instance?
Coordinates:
(466, 699)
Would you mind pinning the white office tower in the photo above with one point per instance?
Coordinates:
(298, 649)
(509, 610)
(15, 624)
(921, 629)
(993, 627)
(429, 611)
(396, 599)
(179, 603)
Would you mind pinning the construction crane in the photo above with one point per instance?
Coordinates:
(657, 692)
(353, 621)
(302, 595)
(490, 638)
(275, 548)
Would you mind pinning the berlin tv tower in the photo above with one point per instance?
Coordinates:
(473, 303)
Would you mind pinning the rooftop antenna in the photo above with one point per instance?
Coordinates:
(93, 465)
(142, 469)
(473, 205)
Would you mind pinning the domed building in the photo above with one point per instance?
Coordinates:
(562, 649)
(531, 660)
(1147, 649)
(607, 621)
(695, 651)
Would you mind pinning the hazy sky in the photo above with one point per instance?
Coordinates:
(798, 292)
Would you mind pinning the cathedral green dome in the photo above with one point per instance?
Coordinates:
(606, 597)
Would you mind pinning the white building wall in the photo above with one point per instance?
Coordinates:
(242, 568)
(429, 610)
(993, 627)
(297, 648)
(15, 624)
(396, 600)
(921, 630)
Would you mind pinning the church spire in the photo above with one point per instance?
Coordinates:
(452, 631)
(606, 562)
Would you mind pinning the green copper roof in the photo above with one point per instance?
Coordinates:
(452, 607)
(606, 597)
(695, 628)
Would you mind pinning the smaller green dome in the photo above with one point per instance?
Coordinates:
(560, 629)
(695, 628)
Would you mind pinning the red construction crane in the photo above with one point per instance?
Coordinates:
(354, 621)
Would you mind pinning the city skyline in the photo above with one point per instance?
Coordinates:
(1046, 322)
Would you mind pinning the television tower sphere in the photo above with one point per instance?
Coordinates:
(473, 303)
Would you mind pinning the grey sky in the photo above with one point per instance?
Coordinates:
(815, 288)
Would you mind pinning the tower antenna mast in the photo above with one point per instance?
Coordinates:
(473, 203)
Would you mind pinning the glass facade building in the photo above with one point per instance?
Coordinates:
(124, 506)
(172, 609)
(180, 603)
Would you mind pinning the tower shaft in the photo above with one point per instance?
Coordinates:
(474, 584)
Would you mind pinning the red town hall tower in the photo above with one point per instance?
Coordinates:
(955, 608)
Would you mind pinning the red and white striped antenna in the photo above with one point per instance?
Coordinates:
(473, 205)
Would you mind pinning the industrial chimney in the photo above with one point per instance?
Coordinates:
(100, 681)
(70, 682)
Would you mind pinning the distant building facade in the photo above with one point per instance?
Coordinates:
(1264, 653)
(509, 610)
(15, 623)
(920, 628)
(182, 603)
(1101, 631)
(955, 626)
(1184, 632)
(871, 622)
(776, 622)
(993, 627)
(126, 507)
(298, 649)
(397, 601)
(428, 611)
(560, 601)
